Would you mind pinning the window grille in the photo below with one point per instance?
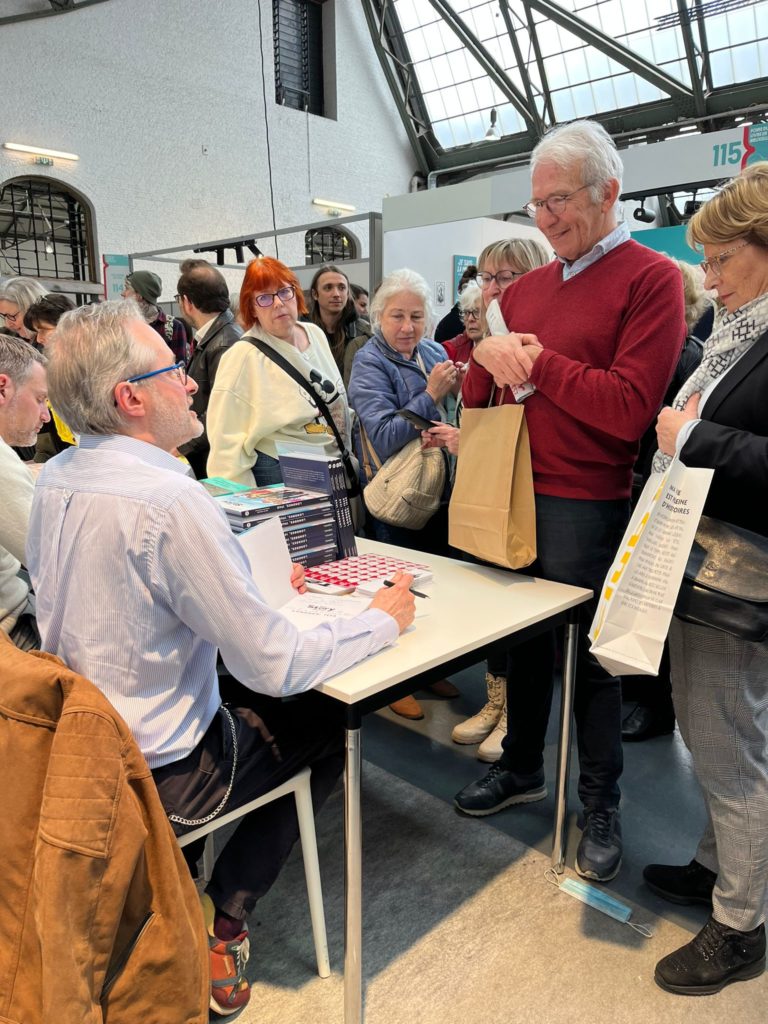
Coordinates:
(298, 41)
(45, 231)
(329, 245)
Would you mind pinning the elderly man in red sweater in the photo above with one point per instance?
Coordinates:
(596, 336)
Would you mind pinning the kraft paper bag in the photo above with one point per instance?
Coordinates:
(638, 597)
(492, 514)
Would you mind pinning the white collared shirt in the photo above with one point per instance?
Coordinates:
(139, 580)
(613, 240)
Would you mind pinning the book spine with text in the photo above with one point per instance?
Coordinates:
(342, 511)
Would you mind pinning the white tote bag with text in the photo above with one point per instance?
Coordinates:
(636, 603)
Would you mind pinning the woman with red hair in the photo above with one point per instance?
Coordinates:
(255, 403)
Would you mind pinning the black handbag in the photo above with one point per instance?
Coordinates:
(725, 585)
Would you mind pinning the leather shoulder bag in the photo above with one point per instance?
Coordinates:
(725, 585)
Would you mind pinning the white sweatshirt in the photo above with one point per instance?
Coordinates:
(255, 404)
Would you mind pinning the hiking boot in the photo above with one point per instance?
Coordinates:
(713, 959)
(598, 856)
(490, 749)
(499, 789)
(684, 884)
(481, 725)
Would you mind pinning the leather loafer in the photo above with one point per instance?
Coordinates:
(643, 724)
(713, 959)
(684, 884)
(407, 707)
(443, 688)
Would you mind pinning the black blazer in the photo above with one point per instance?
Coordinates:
(202, 368)
(732, 439)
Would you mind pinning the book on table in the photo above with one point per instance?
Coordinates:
(306, 517)
(269, 501)
(304, 467)
(217, 485)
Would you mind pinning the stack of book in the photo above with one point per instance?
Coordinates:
(307, 518)
(304, 467)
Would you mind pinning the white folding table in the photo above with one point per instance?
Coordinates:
(469, 607)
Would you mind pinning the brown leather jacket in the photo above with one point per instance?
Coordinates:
(99, 916)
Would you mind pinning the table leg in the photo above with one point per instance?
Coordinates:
(353, 882)
(564, 746)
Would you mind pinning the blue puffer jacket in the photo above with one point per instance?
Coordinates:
(383, 382)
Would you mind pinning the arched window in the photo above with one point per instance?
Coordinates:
(46, 230)
(329, 245)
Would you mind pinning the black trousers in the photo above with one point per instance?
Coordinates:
(307, 730)
(576, 542)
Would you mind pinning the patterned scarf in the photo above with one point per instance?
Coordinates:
(735, 334)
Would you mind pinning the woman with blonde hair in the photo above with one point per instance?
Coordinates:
(499, 265)
(719, 421)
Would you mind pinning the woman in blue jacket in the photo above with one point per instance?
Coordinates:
(399, 369)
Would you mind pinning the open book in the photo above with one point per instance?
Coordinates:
(270, 563)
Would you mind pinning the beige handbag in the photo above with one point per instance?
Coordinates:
(406, 490)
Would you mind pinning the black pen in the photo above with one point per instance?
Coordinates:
(416, 593)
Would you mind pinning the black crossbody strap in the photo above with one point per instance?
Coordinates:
(301, 380)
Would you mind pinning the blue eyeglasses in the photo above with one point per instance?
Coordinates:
(179, 369)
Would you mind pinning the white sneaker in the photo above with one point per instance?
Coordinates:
(490, 749)
(481, 725)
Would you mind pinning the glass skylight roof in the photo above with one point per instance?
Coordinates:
(575, 76)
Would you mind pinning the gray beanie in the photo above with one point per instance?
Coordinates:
(146, 284)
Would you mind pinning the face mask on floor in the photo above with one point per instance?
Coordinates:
(598, 899)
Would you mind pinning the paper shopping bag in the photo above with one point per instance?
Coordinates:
(492, 514)
(636, 603)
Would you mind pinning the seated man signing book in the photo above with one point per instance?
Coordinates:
(140, 582)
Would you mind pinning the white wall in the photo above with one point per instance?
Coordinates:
(137, 88)
(430, 249)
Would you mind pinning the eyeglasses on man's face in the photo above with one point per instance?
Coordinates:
(285, 294)
(555, 204)
(179, 369)
(502, 279)
(715, 263)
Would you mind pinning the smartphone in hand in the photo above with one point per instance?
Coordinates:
(419, 422)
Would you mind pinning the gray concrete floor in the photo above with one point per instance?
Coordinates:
(662, 810)
(459, 924)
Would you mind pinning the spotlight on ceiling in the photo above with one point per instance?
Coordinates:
(646, 216)
(493, 131)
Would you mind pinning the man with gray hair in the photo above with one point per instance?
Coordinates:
(23, 411)
(596, 337)
(140, 582)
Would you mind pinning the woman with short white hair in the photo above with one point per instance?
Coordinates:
(400, 370)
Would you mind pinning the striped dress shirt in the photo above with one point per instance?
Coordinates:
(139, 581)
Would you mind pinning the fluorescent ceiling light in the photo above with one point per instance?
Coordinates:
(331, 205)
(37, 151)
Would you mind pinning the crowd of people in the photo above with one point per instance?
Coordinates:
(137, 404)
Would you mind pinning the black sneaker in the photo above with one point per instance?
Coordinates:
(599, 854)
(717, 956)
(498, 789)
(684, 884)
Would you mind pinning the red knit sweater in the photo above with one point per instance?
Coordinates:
(611, 336)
